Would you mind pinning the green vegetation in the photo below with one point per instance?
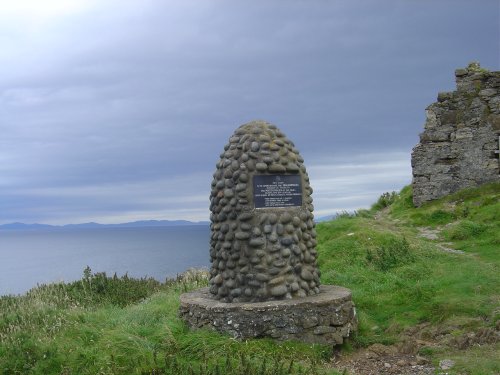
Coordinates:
(401, 280)
(111, 325)
(405, 287)
(385, 200)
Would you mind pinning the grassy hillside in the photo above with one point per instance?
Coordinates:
(425, 281)
(439, 296)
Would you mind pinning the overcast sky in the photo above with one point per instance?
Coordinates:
(115, 111)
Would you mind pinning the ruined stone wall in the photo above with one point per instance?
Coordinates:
(457, 148)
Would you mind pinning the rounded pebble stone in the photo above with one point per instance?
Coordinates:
(273, 218)
(277, 280)
(245, 216)
(273, 271)
(236, 292)
(285, 252)
(228, 193)
(262, 277)
(280, 263)
(242, 262)
(264, 138)
(279, 290)
(260, 253)
(296, 249)
(261, 167)
(267, 160)
(273, 237)
(256, 231)
(274, 248)
(240, 187)
(242, 235)
(257, 242)
(285, 218)
(250, 165)
(245, 226)
(301, 294)
(305, 274)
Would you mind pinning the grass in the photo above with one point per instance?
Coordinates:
(110, 325)
(400, 281)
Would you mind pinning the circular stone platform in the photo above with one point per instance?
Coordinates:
(325, 318)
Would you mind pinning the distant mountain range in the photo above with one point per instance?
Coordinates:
(134, 224)
(325, 218)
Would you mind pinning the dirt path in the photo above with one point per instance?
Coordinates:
(382, 218)
(433, 234)
(380, 359)
(403, 358)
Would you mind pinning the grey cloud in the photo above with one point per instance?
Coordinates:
(128, 93)
(349, 183)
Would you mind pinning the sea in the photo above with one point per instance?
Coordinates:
(42, 256)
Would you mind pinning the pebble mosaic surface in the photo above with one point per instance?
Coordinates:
(265, 253)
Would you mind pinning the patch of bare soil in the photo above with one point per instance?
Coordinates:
(429, 233)
(433, 234)
(381, 214)
(380, 359)
(403, 358)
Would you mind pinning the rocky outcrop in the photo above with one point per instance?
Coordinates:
(459, 146)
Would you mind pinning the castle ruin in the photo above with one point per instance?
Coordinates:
(459, 146)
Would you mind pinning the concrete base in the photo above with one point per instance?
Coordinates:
(326, 318)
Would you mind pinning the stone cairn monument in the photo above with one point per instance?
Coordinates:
(459, 146)
(264, 277)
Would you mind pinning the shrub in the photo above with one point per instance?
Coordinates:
(385, 200)
(345, 215)
(364, 213)
(465, 230)
(440, 217)
(393, 252)
(98, 288)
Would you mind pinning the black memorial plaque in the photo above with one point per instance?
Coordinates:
(272, 191)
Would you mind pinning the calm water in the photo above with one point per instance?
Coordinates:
(43, 256)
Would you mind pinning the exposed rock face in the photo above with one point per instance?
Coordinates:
(457, 147)
(263, 253)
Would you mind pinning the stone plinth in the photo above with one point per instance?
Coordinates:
(324, 318)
